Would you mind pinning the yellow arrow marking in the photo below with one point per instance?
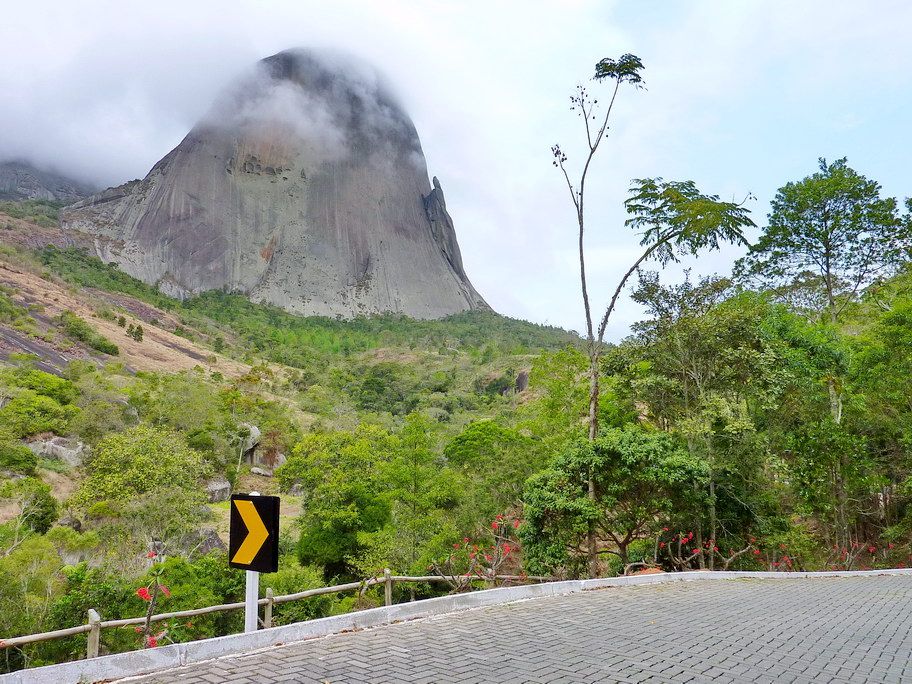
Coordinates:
(256, 532)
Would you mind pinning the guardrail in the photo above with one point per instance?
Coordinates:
(96, 624)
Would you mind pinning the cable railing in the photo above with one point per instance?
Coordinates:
(95, 624)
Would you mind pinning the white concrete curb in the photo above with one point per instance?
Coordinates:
(152, 660)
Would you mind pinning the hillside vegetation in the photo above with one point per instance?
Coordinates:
(757, 421)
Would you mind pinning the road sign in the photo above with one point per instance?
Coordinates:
(254, 537)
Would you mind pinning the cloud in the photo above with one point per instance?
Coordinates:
(741, 96)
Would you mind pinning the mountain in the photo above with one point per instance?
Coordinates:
(305, 186)
(19, 180)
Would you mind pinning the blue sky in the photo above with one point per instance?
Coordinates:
(742, 96)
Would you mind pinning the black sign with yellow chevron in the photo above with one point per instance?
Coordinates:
(254, 537)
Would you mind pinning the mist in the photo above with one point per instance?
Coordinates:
(741, 97)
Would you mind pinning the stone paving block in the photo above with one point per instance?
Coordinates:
(846, 630)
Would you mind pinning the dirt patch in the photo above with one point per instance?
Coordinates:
(62, 484)
(394, 355)
(159, 351)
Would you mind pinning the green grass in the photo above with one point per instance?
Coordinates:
(42, 212)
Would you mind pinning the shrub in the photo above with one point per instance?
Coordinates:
(29, 413)
(78, 329)
(17, 458)
(46, 384)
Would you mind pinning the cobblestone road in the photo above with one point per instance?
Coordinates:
(802, 630)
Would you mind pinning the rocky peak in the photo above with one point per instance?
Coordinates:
(305, 186)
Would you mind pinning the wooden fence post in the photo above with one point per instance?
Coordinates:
(267, 610)
(387, 587)
(94, 634)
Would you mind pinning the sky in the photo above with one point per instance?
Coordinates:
(741, 96)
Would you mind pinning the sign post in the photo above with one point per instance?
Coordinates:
(251, 596)
(253, 545)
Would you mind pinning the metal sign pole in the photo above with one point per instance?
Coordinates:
(251, 609)
(251, 596)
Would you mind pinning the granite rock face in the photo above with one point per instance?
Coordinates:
(19, 180)
(304, 187)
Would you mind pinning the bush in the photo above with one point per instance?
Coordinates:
(78, 329)
(140, 460)
(46, 384)
(29, 413)
(17, 458)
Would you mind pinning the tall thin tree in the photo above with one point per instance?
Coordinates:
(672, 219)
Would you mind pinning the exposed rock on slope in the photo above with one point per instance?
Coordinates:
(304, 187)
(20, 180)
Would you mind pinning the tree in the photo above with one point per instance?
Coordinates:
(833, 234)
(145, 483)
(638, 477)
(673, 219)
(423, 495)
(830, 233)
(710, 369)
(29, 413)
(37, 508)
(495, 461)
(340, 475)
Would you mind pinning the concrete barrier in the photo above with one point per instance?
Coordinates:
(147, 661)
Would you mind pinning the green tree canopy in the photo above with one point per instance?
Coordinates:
(830, 233)
(639, 475)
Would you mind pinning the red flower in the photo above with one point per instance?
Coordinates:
(465, 540)
(516, 524)
(455, 546)
(756, 552)
(143, 593)
(500, 517)
(890, 545)
(715, 548)
(151, 554)
(664, 529)
(151, 642)
(872, 549)
(164, 590)
(661, 545)
(506, 549)
(494, 525)
(488, 558)
(696, 550)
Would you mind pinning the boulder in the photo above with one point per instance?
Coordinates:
(70, 451)
(522, 381)
(251, 442)
(218, 489)
(262, 472)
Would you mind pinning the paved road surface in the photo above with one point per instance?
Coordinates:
(798, 630)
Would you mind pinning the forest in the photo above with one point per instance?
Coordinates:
(754, 420)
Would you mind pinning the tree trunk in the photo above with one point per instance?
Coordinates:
(712, 522)
(592, 550)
